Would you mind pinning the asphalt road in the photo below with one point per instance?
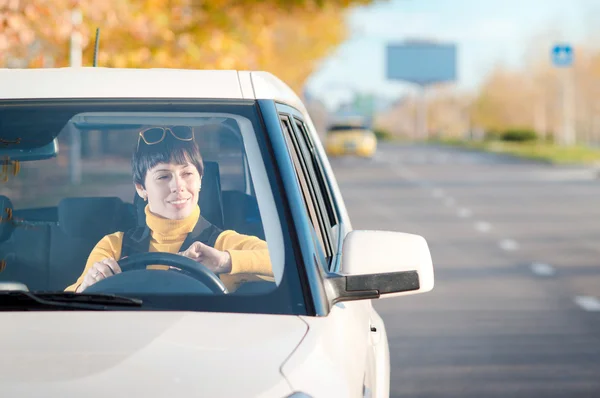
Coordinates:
(516, 248)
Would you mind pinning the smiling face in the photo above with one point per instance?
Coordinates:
(171, 189)
(168, 175)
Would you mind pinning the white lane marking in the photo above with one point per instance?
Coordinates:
(437, 193)
(542, 269)
(588, 303)
(449, 202)
(483, 226)
(508, 244)
(464, 213)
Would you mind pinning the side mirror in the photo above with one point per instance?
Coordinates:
(382, 264)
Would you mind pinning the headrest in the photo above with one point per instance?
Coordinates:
(90, 217)
(210, 200)
(6, 225)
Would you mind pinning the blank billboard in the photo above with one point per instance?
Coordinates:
(421, 62)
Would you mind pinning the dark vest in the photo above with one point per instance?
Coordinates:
(137, 239)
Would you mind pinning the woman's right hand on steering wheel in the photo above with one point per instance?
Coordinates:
(98, 271)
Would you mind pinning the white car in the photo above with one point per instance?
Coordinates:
(307, 330)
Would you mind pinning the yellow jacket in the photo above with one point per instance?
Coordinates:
(249, 255)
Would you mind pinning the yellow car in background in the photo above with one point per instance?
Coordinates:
(350, 139)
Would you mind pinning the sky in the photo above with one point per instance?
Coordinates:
(486, 33)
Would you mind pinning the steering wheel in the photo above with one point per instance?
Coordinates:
(187, 266)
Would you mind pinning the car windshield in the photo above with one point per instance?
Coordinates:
(74, 198)
(342, 128)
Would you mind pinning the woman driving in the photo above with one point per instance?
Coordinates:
(167, 174)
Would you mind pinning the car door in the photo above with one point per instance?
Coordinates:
(378, 364)
(350, 322)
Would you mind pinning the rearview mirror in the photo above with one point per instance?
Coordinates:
(47, 151)
(382, 264)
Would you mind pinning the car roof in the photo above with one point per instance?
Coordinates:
(99, 82)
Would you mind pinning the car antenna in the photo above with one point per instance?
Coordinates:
(96, 47)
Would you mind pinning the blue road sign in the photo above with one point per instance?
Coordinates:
(562, 55)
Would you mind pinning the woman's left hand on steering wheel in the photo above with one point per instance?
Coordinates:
(217, 261)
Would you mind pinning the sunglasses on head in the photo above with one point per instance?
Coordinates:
(154, 135)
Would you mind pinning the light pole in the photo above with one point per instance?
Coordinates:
(75, 61)
(76, 39)
(422, 127)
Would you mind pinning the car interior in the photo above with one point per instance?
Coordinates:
(46, 248)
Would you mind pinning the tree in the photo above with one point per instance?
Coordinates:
(285, 37)
(504, 101)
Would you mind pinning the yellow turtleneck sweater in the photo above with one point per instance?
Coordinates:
(249, 255)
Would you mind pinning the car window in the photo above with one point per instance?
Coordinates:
(326, 212)
(228, 151)
(311, 193)
(75, 192)
(342, 128)
(318, 172)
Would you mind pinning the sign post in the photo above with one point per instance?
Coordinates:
(422, 63)
(562, 57)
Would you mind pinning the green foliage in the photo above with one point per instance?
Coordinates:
(519, 135)
(383, 135)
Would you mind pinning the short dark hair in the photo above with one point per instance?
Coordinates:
(169, 150)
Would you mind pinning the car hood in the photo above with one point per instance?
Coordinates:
(149, 354)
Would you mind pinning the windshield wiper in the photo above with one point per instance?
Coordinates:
(23, 300)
